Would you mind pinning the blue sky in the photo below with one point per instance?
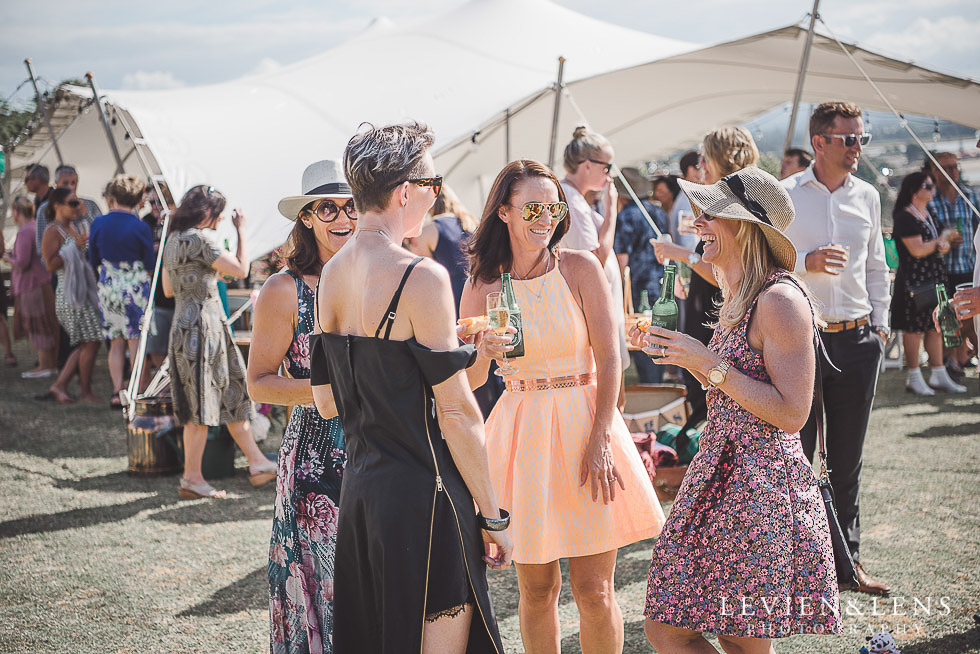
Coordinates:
(184, 43)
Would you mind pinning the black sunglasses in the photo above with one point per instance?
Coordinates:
(73, 203)
(532, 211)
(434, 182)
(327, 211)
(928, 186)
(606, 165)
(850, 140)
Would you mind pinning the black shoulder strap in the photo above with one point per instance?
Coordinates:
(389, 318)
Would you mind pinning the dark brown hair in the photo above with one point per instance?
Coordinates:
(301, 251)
(823, 116)
(58, 195)
(197, 204)
(489, 249)
(910, 186)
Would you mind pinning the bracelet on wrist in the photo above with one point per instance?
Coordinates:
(494, 524)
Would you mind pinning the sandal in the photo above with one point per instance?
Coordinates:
(189, 491)
(61, 396)
(114, 401)
(263, 474)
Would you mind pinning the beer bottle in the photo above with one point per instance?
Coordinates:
(514, 315)
(644, 308)
(664, 311)
(949, 324)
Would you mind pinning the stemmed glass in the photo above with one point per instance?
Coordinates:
(499, 320)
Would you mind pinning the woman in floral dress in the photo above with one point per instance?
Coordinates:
(311, 460)
(746, 551)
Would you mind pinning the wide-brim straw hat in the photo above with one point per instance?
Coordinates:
(751, 195)
(322, 179)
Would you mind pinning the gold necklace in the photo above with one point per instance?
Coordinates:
(546, 271)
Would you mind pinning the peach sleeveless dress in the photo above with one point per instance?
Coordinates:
(536, 439)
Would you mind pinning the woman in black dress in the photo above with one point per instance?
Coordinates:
(920, 266)
(409, 572)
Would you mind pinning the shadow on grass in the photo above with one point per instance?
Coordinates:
(249, 593)
(962, 429)
(964, 642)
(96, 515)
(254, 506)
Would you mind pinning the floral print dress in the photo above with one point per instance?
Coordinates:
(304, 529)
(746, 549)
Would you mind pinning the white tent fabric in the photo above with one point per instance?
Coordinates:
(655, 108)
(464, 73)
(252, 138)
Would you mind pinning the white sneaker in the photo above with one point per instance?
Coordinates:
(940, 380)
(38, 374)
(916, 384)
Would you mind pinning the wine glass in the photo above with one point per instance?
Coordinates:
(499, 320)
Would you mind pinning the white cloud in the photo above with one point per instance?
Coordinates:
(928, 38)
(142, 81)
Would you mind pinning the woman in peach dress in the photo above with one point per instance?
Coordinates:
(560, 454)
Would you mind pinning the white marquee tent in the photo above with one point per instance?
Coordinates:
(476, 74)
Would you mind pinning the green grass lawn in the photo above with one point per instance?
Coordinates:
(94, 560)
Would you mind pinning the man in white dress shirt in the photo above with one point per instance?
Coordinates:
(841, 256)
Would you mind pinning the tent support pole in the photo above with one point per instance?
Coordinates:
(507, 136)
(120, 169)
(801, 77)
(559, 86)
(39, 99)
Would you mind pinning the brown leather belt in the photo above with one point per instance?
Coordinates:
(547, 384)
(844, 325)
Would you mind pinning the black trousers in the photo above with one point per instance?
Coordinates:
(847, 397)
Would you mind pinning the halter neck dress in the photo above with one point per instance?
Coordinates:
(536, 439)
(409, 546)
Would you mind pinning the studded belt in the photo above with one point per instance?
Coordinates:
(550, 383)
(844, 325)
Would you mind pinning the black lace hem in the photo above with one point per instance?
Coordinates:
(451, 612)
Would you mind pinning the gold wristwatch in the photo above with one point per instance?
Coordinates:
(716, 376)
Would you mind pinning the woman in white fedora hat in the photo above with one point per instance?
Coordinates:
(312, 456)
(746, 551)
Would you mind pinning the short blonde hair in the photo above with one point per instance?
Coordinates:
(24, 206)
(730, 149)
(126, 190)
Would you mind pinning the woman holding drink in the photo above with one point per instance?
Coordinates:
(746, 553)
(560, 454)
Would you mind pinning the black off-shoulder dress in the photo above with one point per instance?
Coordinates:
(409, 545)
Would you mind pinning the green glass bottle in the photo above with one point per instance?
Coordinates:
(514, 313)
(644, 307)
(664, 312)
(949, 325)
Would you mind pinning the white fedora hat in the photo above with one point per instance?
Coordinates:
(751, 195)
(322, 179)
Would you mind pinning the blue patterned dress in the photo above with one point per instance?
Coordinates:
(304, 529)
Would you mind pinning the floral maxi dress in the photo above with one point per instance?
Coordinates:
(746, 549)
(304, 529)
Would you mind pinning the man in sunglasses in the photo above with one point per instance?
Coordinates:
(841, 256)
(952, 212)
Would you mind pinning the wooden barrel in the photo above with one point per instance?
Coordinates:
(154, 440)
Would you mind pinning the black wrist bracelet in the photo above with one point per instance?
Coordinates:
(494, 524)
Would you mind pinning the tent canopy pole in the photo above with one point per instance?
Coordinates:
(105, 123)
(44, 110)
(559, 87)
(801, 77)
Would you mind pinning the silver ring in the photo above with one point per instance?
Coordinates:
(610, 480)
